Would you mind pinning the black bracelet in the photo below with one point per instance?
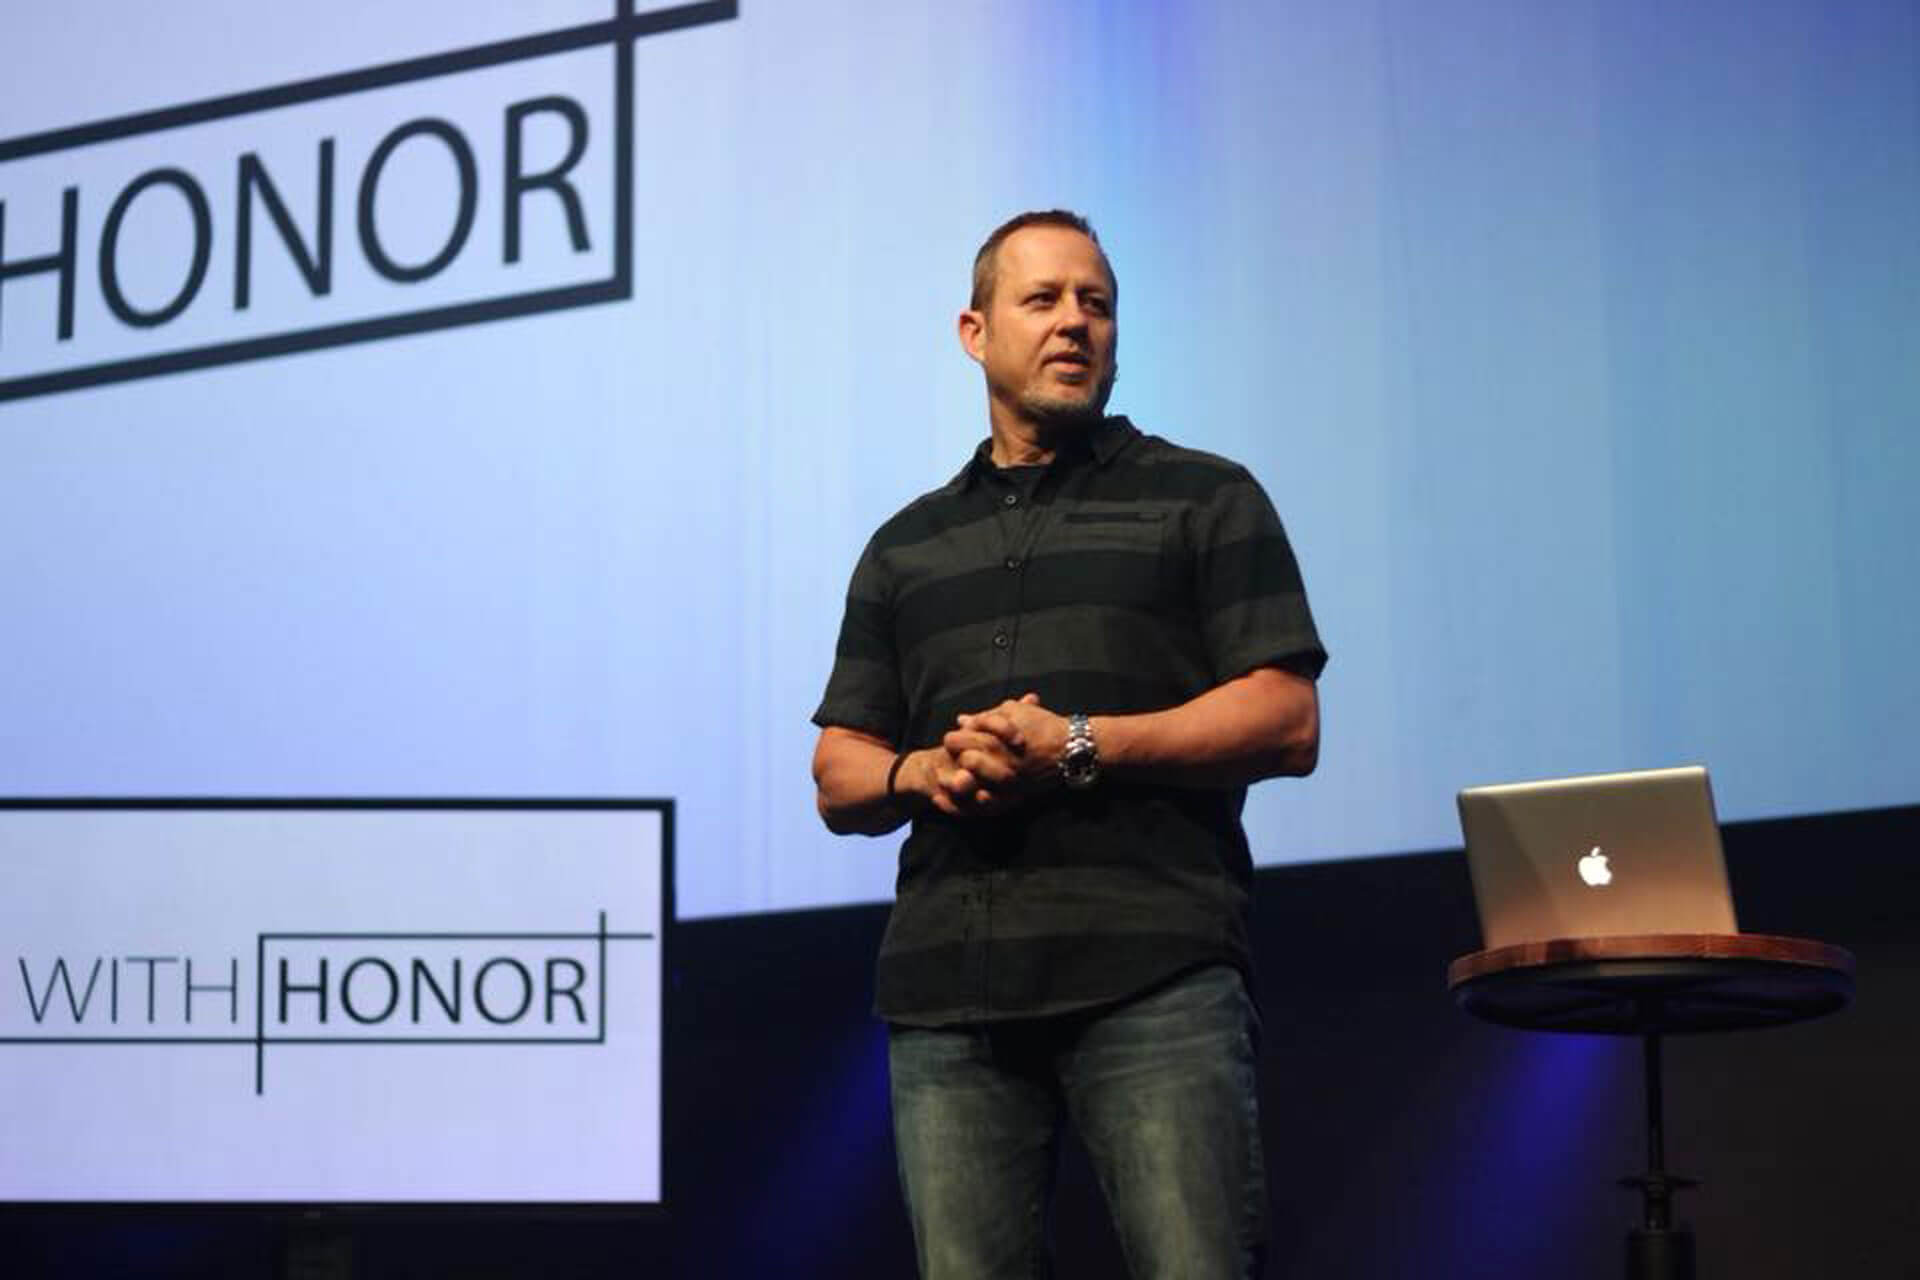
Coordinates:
(893, 773)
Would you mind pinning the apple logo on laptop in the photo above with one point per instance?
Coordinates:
(1594, 869)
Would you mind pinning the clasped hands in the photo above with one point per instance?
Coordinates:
(992, 759)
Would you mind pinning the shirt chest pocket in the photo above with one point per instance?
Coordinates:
(1131, 554)
(1141, 531)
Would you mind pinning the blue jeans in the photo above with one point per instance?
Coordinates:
(1161, 1089)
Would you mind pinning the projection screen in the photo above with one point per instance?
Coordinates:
(487, 399)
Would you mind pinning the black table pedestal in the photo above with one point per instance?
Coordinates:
(1657, 1249)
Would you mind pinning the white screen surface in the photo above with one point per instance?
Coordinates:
(1574, 344)
(331, 1004)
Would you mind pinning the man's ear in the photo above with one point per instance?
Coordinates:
(973, 334)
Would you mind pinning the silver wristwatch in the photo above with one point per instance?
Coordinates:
(1080, 761)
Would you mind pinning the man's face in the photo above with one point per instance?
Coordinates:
(1046, 336)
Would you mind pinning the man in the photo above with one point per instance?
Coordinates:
(1064, 667)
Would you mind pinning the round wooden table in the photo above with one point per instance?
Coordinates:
(1652, 985)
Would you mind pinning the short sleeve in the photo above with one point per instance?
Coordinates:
(863, 690)
(1251, 602)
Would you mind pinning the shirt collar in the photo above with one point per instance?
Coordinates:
(1104, 440)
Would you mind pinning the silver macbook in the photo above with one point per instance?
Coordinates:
(1596, 856)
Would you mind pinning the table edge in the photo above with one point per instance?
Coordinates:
(1768, 948)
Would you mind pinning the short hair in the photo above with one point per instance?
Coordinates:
(986, 262)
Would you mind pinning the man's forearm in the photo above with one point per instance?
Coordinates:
(850, 777)
(1259, 725)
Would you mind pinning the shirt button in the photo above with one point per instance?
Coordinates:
(1011, 500)
(999, 639)
(1013, 562)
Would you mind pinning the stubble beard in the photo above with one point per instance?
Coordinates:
(1056, 413)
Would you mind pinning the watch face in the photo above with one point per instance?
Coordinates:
(1078, 764)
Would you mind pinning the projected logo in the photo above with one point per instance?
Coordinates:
(343, 989)
(463, 187)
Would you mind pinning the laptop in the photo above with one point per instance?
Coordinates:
(1596, 856)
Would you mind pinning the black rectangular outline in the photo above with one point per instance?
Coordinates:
(309, 1211)
(620, 31)
(260, 1040)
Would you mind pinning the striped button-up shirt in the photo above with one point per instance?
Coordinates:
(1128, 575)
